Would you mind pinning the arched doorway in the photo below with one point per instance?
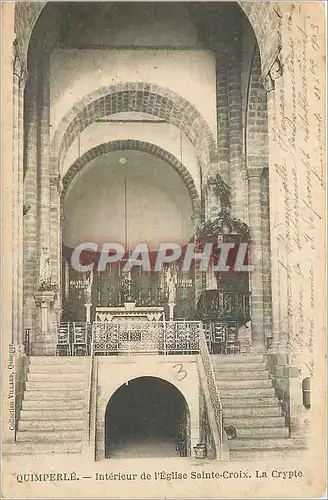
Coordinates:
(134, 202)
(147, 417)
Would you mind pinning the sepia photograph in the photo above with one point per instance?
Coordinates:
(163, 249)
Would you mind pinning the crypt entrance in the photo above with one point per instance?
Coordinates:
(147, 417)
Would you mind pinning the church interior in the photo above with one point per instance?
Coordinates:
(153, 122)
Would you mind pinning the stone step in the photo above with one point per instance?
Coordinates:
(233, 367)
(262, 432)
(243, 384)
(249, 412)
(22, 448)
(245, 374)
(271, 443)
(59, 368)
(264, 392)
(58, 360)
(54, 385)
(237, 358)
(268, 454)
(53, 395)
(53, 404)
(266, 421)
(58, 435)
(50, 425)
(41, 414)
(55, 376)
(250, 402)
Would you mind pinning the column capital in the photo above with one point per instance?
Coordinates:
(273, 74)
(255, 172)
(19, 67)
(44, 298)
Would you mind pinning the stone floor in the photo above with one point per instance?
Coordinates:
(147, 447)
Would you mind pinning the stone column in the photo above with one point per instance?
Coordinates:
(237, 162)
(19, 80)
(222, 107)
(198, 275)
(45, 341)
(256, 276)
(44, 164)
(277, 282)
(31, 197)
(87, 312)
(213, 210)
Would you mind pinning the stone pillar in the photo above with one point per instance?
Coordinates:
(44, 164)
(213, 210)
(31, 197)
(222, 107)
(55, 235)
(44, 300)
(266, 255)
(256, 276)
(237, 162)
(87, 312)
(19, 80)
(278, 284)
(198, 275)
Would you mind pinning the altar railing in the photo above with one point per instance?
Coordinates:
(146, 337)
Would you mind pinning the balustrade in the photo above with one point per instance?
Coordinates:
(113, 338)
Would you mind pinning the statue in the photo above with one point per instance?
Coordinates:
(45, 269)
(88, 287)
(171, 286)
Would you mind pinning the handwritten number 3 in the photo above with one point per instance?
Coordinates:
(179, 372)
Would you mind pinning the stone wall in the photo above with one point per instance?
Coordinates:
(179, 371)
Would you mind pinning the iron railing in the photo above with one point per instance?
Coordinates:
(90, 379)
(157, 337)
(151, 337)
(211, 383)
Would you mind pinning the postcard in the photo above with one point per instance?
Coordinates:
(164, 249)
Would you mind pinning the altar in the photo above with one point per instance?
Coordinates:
(130, 312)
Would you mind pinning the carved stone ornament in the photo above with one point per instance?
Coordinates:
(223, 224)
(224, 192)
(26, 208)
(268, 83)
(276, 69)
(274, 73)
(19, 69)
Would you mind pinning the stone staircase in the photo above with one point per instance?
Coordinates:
(252, 408)
(52, 415)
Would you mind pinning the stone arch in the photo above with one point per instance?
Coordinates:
(178, 387)
(263, 17)
(134, 145)
(147, 420)
(137, 97)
